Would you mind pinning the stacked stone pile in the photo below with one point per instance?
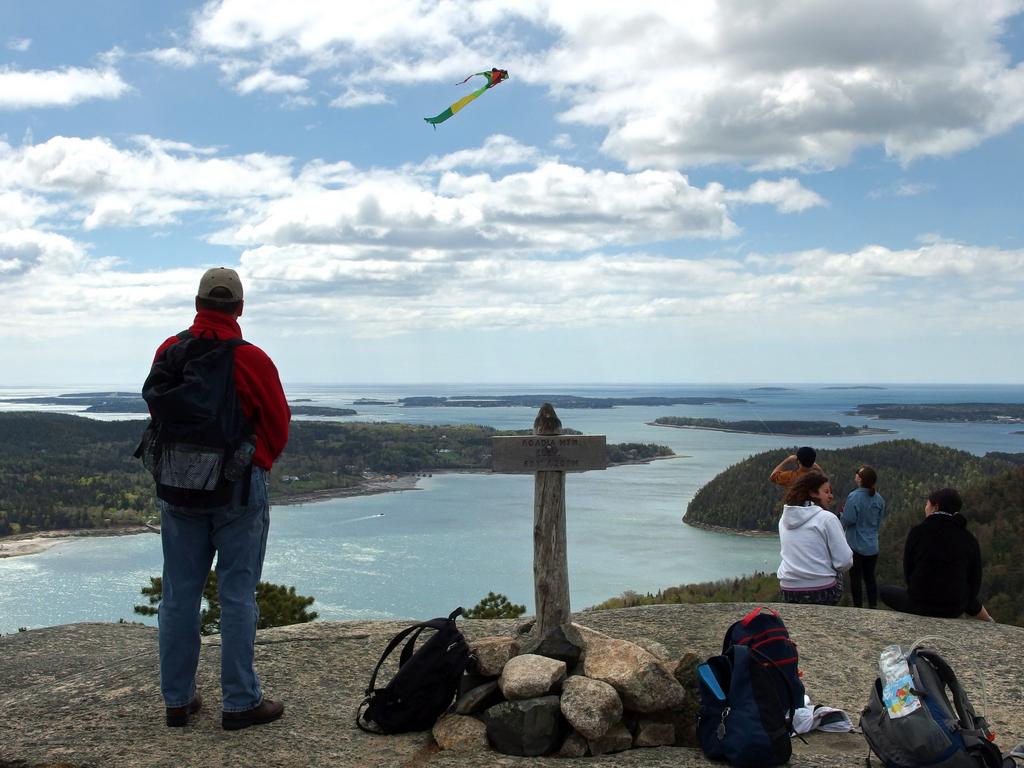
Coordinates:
(573, 693)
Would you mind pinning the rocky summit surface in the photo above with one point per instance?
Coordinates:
(88, 694)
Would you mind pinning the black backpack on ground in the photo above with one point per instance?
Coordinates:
(945, 732)
(746, 709)
(198, 429)
(764, 631)
(425, 684)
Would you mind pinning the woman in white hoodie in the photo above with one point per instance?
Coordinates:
(814, 547)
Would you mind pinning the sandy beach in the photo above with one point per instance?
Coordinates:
(40, 541)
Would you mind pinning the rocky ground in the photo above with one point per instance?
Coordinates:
(88, 694)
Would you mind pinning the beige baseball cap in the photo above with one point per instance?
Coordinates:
(220, 277)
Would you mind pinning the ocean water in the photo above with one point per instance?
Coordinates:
(420, 553)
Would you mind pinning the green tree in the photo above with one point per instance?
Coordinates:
(495, 607)
(279, 605)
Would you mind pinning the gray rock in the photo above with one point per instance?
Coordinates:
(574, 746)
(492, 653)
(49, 677)
(590, 706)
(618, 739)
(556, 644)
(460, 734)
(653, 647)
(478, 699)
(528, 727)
(470, 680)
(644, 683)
(650, 733)
(529, 676)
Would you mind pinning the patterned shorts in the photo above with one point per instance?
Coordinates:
(828, 596)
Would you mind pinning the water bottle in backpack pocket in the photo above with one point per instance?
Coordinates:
(942, 731)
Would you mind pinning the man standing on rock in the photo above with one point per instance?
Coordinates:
(220, 419)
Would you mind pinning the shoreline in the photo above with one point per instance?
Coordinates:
(731, 531)
(859, 433)
(400, 483)
(19, 544)
(36, 542)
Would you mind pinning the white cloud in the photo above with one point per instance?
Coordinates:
(174, 57)
(99, 184)
(19, 44)
(901, 189)
(357, 97)
(787, 195)
(271, 82)
(498, 150)
(766, 85)
(57, 88)
(551, 207)
(19, 210)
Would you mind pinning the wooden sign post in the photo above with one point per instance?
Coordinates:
(548, 455)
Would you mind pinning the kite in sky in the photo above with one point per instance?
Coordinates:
(494, 77)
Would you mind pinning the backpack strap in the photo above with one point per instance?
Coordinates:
(969, 719)
(407, 651)
(436, 624)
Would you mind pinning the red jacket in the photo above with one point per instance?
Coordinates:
(256, 381)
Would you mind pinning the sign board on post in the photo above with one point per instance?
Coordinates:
(548, 455)
(545, 453)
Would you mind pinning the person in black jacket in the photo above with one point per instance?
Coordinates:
(941, 564)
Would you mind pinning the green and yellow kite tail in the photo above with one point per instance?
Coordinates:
(494, 77)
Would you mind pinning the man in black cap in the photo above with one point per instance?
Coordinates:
(235, 531)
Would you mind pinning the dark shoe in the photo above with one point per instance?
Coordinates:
(177, 717)
(267, 712)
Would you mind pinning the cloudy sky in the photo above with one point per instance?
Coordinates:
(733, 191)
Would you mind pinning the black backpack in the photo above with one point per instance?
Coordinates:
(764, 631)
(945, 732)
(424, 686)
(746, 709)
(198, 429)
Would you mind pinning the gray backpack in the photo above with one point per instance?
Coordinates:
(945, 732)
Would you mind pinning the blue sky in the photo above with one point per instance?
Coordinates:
(719, 191)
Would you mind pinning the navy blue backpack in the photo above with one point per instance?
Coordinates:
(763, 630)
(746, 709)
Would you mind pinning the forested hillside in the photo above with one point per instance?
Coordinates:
(61, 471)
(742, 498)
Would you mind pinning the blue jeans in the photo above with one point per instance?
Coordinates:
(237, 533)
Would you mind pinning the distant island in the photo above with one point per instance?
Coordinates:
(992, 413)
(558, 401)
(90, 402)
(132, 402)
(320, 410)
(371, 401)
(788, 428)
(856, 386)
(771, 389)
(61, 471)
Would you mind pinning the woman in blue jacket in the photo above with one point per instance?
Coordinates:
(862, 516)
